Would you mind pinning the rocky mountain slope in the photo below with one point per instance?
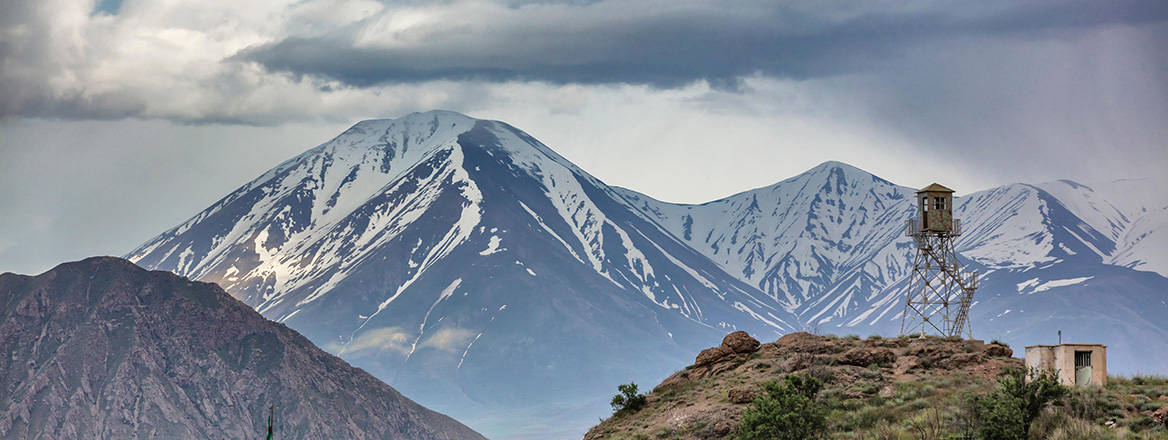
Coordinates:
(104, 349)
(437, 251)
(883, 388)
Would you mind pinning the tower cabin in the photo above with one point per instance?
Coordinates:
(935, 210)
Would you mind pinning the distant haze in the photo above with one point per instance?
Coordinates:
(119, 119)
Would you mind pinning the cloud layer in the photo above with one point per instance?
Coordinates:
(275, 62)
(664, 43)
(684, 100)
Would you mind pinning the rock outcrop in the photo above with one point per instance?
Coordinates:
(865, 356)
(740, 342)
(1161, 416)
(737, 343)
(998, 350)
(712, 355)
(802, 342)
(741, 396)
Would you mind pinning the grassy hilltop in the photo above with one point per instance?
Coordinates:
(882, 389)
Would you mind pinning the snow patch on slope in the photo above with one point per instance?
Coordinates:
(493, 246)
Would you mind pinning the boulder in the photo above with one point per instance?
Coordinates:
(995, 350)
(906, 363)
(929, 349)
(712, 355)
(723, 428)
(1161, 416)
(770, 350)
(741, 396)
(959, 360)
(798, 362)
(803, 342)
(863, 357)
(676, 379)
(740, 342)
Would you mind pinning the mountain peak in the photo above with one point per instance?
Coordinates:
(828, 164)
(431, 116)
(436, 126)
(102, 262)
(848, 170)
(834, 164)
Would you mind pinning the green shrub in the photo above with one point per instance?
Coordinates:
(786, 411)
(628, 401)
(1006, 413)
(869, 416)
(1002, 417)
(1058, 425)
(1143, 423)
(822, 372)
(868, 388)
(908, 391)
(872, 372)
(1092, 404)
(917, 404)
(930, 424)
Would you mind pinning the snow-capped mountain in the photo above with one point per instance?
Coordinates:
(829, 246)
(469, 266)
(817, 241)
(1132, 213)
(485, 276)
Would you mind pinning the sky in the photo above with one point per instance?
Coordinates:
(122, 118)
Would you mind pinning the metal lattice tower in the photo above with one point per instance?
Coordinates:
(939, 294)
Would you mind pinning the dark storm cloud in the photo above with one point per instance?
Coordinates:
(607, 43)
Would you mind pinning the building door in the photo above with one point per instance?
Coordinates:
(1082, 367)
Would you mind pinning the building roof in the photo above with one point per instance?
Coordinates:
(936, 187)
(1067, 344)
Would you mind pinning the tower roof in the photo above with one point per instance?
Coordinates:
(936, 187)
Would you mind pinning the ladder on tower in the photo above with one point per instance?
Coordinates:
(967, 289)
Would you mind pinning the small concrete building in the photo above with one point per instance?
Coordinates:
(1075, 364)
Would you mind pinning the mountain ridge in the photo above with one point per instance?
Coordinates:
(424, 248)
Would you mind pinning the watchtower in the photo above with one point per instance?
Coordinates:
(935, 209)
(939, 294)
